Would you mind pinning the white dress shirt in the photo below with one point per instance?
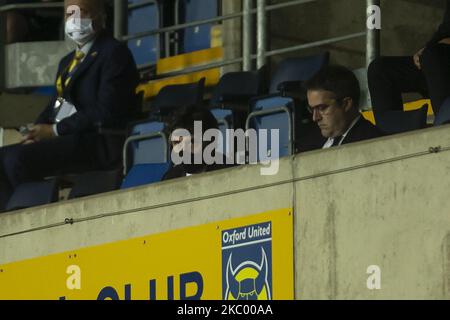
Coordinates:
(330, 141)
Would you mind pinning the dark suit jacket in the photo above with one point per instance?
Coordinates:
(444, 28)
(182, 170)
(362, 130)
(102, 88)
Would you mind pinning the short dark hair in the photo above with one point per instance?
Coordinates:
(185, 118)
(337, 79)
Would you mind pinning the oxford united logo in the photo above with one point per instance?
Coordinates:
(247, 263)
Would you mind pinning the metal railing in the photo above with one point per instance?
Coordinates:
(247, 15)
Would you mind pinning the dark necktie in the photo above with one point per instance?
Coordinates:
(336, 141)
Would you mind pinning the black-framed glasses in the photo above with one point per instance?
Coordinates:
(324, 107)
(321, 108)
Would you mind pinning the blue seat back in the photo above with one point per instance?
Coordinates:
(224, 119)
(45, 91)
(146, 18)
(199, 37)
(150, 150)
(443, 116)
(276, 119)
(143, 174)
(33, 194)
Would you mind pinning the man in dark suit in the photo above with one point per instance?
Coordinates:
(96, 88)
(427, 72)
(333, 99)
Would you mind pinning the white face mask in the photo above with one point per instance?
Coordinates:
(81, 32)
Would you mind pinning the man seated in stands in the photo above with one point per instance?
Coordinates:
(183, 139)
(96, 87)
(333, 99)
(427, 72)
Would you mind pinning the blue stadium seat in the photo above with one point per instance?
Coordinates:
(141, 19)
(278, 110)
(33, 194)
(393, 122)
(274, 113)
(45, 91)
(147, 143)
(199, 37)
(224, 118)
(143, 174)
(231, 97)
(443, 116)
(146, 151)
(225, 121)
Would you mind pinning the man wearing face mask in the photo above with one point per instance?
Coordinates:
(95, 87)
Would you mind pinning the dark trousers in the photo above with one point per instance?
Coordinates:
(61, 155)
(389, 77)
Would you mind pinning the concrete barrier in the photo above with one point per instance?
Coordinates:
(382, 202)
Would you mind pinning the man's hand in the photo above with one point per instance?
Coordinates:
(417, 58)
(445, 41)
(38, 133)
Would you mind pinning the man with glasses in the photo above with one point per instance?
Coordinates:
(333, 100)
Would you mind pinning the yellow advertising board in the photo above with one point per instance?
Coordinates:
(245, 258)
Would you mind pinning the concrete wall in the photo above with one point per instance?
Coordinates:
(382, 202)
(406, 26)
(34, 64)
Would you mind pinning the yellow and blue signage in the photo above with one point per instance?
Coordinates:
(243, 258)
(247, 262)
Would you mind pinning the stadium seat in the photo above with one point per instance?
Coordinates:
(293, 71)
(45, 91)
(172, 97)
(146, 151)
(147, 143)
(146, 155)
(225, 121)
(141, 19)
(33, 194)
(143, 174)
(92, 183)
(235, 88)
(393, 122)
(283, 108)
(198, 37)
(443, 116)
(231, 97)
